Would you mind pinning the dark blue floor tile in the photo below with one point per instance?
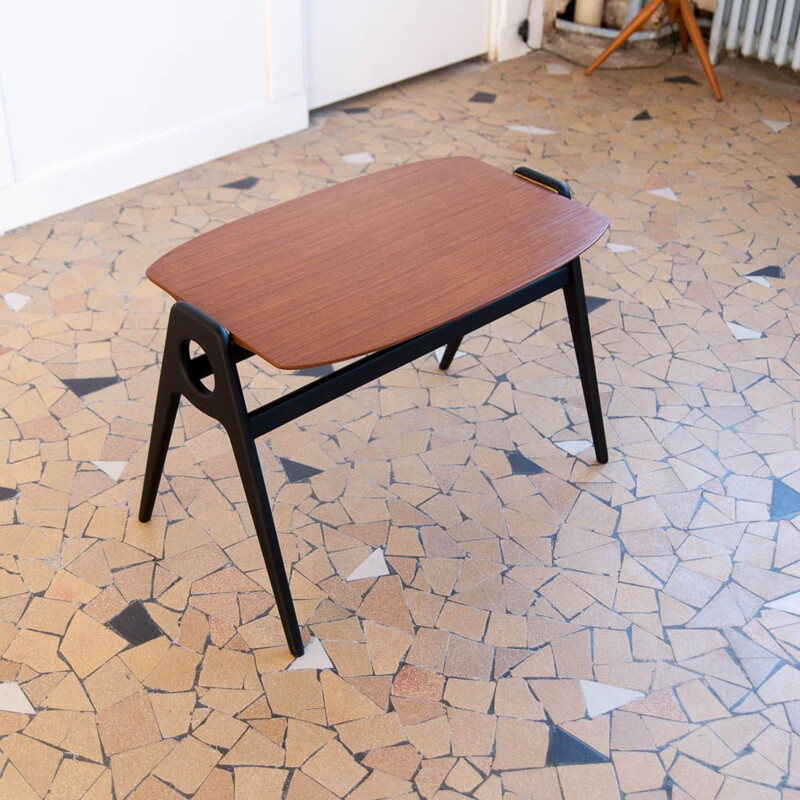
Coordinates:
(642, 115)
(785, 501)
(593, 303)
(483, 97)
(768, 272)
(681, 79)
(82, 386)
(520, 465)
(243, 183)
(135, 624)
(7, 493)
(565, 749)
(356, 110)
(795, 179)
(315, 372)
(296, 472)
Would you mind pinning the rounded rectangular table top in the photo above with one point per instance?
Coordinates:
(377, 260)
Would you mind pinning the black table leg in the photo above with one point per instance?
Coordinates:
(181, 377)
(450, 353)
(575, 298)
(163, 422)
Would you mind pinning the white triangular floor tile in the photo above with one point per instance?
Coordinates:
(359, 158)
(574, 446)
(666, 193)
(439, 352)
(111, 468)
(531, 129)
(12, 698)
(373, 566)
(558, 69)
(742, 333)
(759, 279)
(601, 697)
(776, 125)
(16, 301)
(790, 603)
(314, 657)
(619, 248)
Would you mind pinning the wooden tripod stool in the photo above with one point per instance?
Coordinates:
(687, 26)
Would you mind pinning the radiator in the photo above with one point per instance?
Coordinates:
(767, 29)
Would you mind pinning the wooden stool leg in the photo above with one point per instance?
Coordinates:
(582, 339)
(449, 353)
(630, 28)
(693, 29)
(683, 34)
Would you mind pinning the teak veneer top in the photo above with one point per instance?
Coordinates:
(372, 262)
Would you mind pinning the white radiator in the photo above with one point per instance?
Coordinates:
(767, 29)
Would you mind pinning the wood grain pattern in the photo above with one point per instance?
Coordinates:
(368, 263)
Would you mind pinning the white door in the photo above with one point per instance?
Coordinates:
(355, 46)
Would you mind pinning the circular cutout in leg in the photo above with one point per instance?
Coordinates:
(189, 350)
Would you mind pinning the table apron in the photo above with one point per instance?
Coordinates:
(272, 415)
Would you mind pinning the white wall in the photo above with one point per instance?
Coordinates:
(100, 96)
(355, 46)
(505, 42)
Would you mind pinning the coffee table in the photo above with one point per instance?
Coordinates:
(394, 265)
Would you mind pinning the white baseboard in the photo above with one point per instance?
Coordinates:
(149, 159)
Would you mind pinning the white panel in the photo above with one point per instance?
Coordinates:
(716, 37)
(286, 48)
(86, 76)
(6, 164)
(734, 24)
(358, 45)
(504, 39)
(782, 45)
(102, 96)
(145, 160)
(749, 27)
(765, 41)
(796, 56)
(748, 43)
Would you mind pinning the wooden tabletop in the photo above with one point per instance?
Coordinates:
(365, 264)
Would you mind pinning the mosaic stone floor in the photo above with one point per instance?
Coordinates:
(521, 622)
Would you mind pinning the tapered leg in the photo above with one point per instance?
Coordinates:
(582, 338)
(244, 448)
(449, 354)
(630, 28)
(683, 34)
(180, 377)
(693, 29)
(163, 423)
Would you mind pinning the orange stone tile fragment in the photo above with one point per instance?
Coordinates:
(335, 768)
(37, 650)
(88, 644)
(188, 765)
(130, 767)
(128, 724)
(386, 604)
(343, 702)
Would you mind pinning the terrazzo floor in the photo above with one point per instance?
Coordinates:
(490, 614)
